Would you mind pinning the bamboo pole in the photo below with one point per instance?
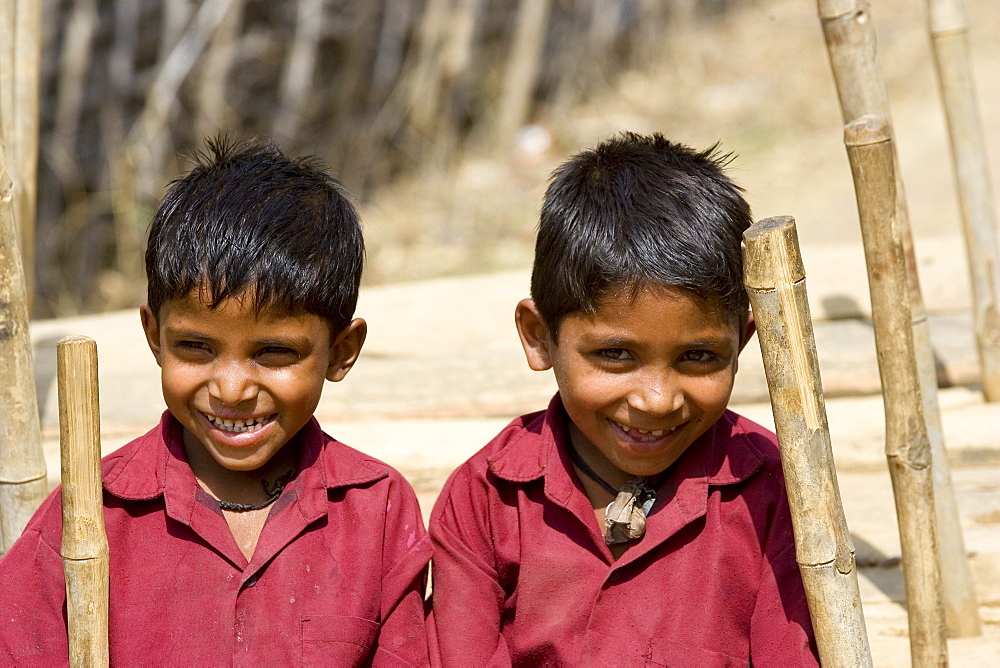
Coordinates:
(22, 464)
(20, 54)
(948, 28)
(521, 72)
(775, 280)
(299, 70)
(26, 123)
(907, 443)
(84, 541)
(851, 45)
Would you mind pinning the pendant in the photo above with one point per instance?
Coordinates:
(625, 517)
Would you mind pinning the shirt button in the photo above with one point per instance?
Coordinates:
(251, 581)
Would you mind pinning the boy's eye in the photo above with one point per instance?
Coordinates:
(615, 354)
(192, 345)
(277, 355)
(701, 356)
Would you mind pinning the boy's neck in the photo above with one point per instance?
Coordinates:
(239, 487)
(594, 459)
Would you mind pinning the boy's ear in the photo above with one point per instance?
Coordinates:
(345, 349)
(748, 331)
(151, 328)
(534, 335)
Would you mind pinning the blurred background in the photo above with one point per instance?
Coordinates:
(445, 117)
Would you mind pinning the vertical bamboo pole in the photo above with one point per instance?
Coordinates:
(22, 463)
(907, 444)
(300, 66)
(851, 45)
(775, 280)
(948, 28)
(20, 55)
(29, 53)
(84, 541)
(521, 73)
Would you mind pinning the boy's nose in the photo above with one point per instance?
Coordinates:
(658, 397)
(232, 384)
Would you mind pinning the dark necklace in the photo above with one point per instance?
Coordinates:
(625, 517)
(589, 472)
(647, 492)
(272, 493)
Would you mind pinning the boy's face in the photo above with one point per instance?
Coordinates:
(243, 384)
(642, 378)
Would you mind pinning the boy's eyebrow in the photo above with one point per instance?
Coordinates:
(289, 342)
(187, 334)
(614, 341)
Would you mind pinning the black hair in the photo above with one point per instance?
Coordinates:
(639, 210)
(247, 217)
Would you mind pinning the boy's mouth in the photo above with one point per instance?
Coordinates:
(241, 426)
(645, 435)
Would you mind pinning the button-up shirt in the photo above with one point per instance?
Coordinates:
(522, 574)
(337, 576)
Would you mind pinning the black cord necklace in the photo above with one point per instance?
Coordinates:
(589, 472)
(272, 492)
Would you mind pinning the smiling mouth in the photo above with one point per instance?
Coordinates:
(241, 426)
(644, 435)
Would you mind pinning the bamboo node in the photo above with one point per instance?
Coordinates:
(867, 130)
(835, 9)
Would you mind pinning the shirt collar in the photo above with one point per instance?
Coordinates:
(155, 462)
(724, 455)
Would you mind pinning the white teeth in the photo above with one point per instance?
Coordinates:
(644, 434)
(239, 426)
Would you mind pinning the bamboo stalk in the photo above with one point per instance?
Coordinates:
(26, 122)
(20, 40)
(22, 464)
(851, 44)
(775, 280)
(907, 445)
(300, 67)
(214, 108)
(84, 541)
(948, 28)
(523, 65)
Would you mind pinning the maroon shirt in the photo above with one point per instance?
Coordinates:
(337, 577)
(522, 574)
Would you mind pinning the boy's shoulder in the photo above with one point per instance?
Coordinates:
(521, 450)
(740, 438)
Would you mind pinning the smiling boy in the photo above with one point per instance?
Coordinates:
(239, 532)
(636, 521)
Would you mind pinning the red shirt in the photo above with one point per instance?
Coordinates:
(337, 577)
(522, 574)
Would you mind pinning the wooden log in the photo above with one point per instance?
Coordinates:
(775, 280)
(84, 541)
(22, 464)
(851, 45)
(907, 445)
(948, 28)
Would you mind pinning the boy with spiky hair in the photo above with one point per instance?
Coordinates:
(636, 521)
(239, 532)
